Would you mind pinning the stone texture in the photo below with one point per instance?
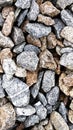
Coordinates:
(5, 41)
(48, 80)
(58, 122)
(23, 4)
(2, 94)
(34, 11)
(71, 105)
(64, 3)
(5, 2)
(28, 60)
(20, 72)
(1, 20)
(66, 50)
(7, 116)
(37, 30)
(53, 96)
(46, 20)
(42, 99)
(70, 116)
(67, 43)
(49, 126)
(49, 9)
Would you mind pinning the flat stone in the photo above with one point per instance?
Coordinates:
(58, 122)
(34, 11)
(71, 105)
(70, 116)
(17, 91)
(46, 20)
(48, 8)
(5, 41)
(53, 96)
(28, 60)
(20, 72)
(7, 116)
(37, 30)
(5, 2)
(2, 94)
(23, 4)
(48, 80)
(67, 33)
(42, 98)
(64, 3)
(1, 20)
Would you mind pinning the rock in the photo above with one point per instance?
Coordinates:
(9, 67)
(67, 17)
(48, 80)
(31, 121)
(67, 43)
(28, 60)
(1, 20)
(49, 109)
(67, 33)
(63, 4)
(31, 78)
(8, 24)
(66, 50)
(5, 41)
(17, 36)
(53, 96)
(40, 110)
(21, 118)
(7, 116)
(3, 101)
(49, 126)
(20, 72)
(5, 2)
(58, 26)
(46, 20)
(2, 94)
(25, 111)
(37, 30)
(34, 11)
(23, 4)
(48, 8)
(42, 99)
(66, 60)
(17, 91)
(47, 60)
(70, 116)
(17, 12)
(44, 122)
(58, 122)
(71, 105)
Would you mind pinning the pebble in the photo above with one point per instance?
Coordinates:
(5, 2)
(34, 11)
(71, 105)
(67, 33)
(70, 116)
(5, 41)
(48, 80)
(42, 98)
(1, 20)
(49, 109)
(7, 116)
(28, 60)
(31, 121)
(8, 24)
(17, 36)
(20, 72)
(66, 50)
(17, 91)
(67, 43)
(53, 96)
(21, 118)
(45, 20)
(3, 101)
(58, 122)
(25, 111)
(37, 30)
(48, 8)
(64, 3)
(2, 94)
(40, 110)
(23, 4)
(49, 126)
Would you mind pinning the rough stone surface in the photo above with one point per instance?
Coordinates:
(42, 98)
(66, 50)
(5, 2)
(71, 105)
(1, 20)
(37, 30)
(2, 94)
(58, 122)
(67, 43)
(49, 126)
(20, 72)
(23, 4)
(70, 116)
(64, 3)
(28, 60)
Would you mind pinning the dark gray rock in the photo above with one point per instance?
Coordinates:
(64, 3)
(37, 30)
(5, 2)
(1, 20)
(53, 96)
(28, 60)
(49, 108)
(48, 80)
(42, 99)
(23, 4)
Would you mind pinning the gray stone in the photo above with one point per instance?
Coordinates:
(71, 126)
(23, 4)
(17, 91)
(67, 17)
(44, 122)
(31, 121)
(5, 41)
(66, 60)
(42, 98)
(66, 50)
(67, 43)
(58, 26)
(37, 30)
(17, 36)
(34, 11)
(48, 80)
(28, 60)
(1, 20)
(40, 110)
(53, 96)
(2, 94)
(35, 89)
(5, 2)
(64, 3)
(21, 118)
(49, 108)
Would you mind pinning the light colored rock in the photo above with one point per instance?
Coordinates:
(71, 105)
(70, 116)
(23, 4)
(2, 94)
(64, 3)
(20, 72)
(49, 126)
(1, 20)
(67, 43)
(42, 98)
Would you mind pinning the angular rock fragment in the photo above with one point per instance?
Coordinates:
(17, 91)
(23, 4)
(64, 3)
(42, 99)
(70, 116)
(20, 72)
(34, 11)
(67, 43)
(49, 109)
(28, 60)
(7, 116)
(2, 94)
(1, 20)
(48, 80)
(49, 126)
(58, 122)
(5, 2)
(21, 118)
(37, 30)
(49, 9)
(5, 41)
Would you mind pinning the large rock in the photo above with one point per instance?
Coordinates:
(64, 3)
(23, 4)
